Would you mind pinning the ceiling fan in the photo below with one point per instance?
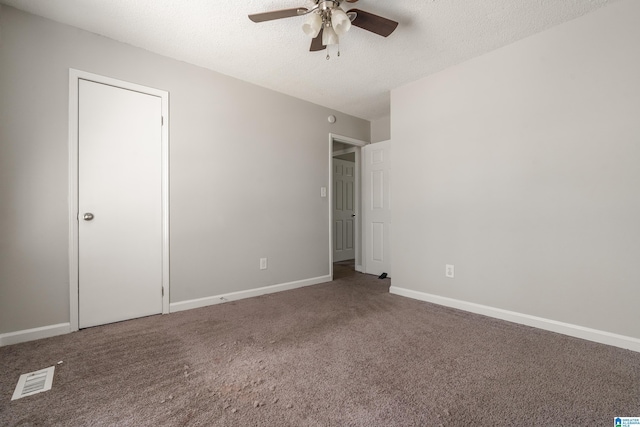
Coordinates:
(327, 21)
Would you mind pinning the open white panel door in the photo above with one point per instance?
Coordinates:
(377, 207)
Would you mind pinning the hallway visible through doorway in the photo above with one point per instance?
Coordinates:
(346, 268)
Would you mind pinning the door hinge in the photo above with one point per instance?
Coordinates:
(162, 291)
(162, 120)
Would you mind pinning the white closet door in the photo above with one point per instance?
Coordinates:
(120, 204)
(344, 202)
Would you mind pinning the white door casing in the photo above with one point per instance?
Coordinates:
(118, 141)
(377, 207)
(343, 210)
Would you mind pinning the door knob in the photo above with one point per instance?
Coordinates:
(88, 216)
(353, 215)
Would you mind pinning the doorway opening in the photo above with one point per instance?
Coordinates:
(345, 205)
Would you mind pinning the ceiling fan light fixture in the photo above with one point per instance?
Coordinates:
(340, 21)
(312, 25)
(326, 21)
(329, 36)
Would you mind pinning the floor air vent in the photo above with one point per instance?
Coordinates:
(34, 382)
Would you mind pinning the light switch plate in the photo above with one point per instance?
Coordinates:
(323, 191)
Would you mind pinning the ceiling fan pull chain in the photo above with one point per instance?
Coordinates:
(329, 49)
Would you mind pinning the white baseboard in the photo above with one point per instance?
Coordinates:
(65, 328)
(34, 334)
(359, 268)
(233, 296)
(595, 335)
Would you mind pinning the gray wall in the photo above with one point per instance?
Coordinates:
(246, 169)
(349, 157)
(522, 168)
(381, 129)
(337, 146)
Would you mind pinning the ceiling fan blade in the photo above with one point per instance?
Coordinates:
(351, 1)
(316, 43)
(277, 14)
(374, 23)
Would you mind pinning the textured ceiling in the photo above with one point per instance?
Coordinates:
(216, 34)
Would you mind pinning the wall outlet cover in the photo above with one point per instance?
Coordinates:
(449, 270)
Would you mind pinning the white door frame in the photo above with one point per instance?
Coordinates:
(74, 77)
(356, 143)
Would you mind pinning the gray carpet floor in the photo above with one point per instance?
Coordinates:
(345, 353)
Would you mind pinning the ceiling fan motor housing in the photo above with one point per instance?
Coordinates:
(327, 4)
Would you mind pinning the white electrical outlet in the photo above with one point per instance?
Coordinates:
(449, 270)
(263, 263)
(323, 191)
